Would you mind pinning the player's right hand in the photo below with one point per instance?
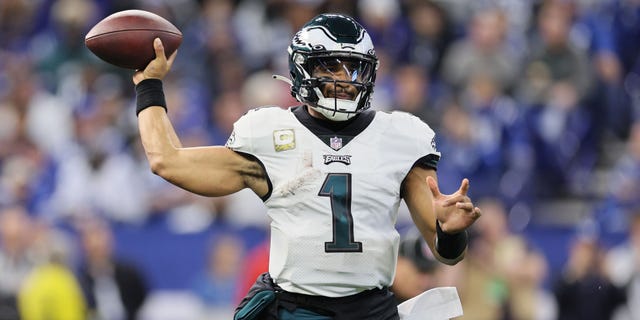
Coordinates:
(158, 67)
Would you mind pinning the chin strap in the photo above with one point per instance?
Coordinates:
(282, 78)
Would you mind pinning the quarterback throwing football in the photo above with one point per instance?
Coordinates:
(332, 173)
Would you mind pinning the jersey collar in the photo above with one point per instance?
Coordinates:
(326, 130)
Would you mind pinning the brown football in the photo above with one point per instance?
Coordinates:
(125, 38)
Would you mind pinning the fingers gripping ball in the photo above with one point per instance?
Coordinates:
(125, 38)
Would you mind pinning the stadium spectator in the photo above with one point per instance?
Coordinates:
(98, 174)
(456, 140)
(17, 24)
(564, 143)
(257, 263)
(610, 98)
(386, 27)
(16, 258)
(623, 187)
(431, 32)
(288, 182)
(225, 110)
(500, 138)
(492, 285)
(553, 56)
(621, 20)
(583, 291)
(483, 51)
(113, 288)
(484, 140)
(51, 291)
(622, 266)
(216, 286)
(415, 92)
(36, 125)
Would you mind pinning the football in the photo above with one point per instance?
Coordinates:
(125, 38)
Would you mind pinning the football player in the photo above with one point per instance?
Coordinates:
(332, 173)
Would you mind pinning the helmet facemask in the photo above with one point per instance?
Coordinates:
(338, 86)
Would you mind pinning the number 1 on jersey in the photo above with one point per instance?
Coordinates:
(337, 186)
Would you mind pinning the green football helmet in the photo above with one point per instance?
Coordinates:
(327, 45)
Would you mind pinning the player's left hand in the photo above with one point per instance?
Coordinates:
(455, 212)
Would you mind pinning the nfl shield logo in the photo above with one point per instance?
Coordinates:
(335, 143)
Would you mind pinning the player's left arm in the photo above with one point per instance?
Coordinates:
(442, 219)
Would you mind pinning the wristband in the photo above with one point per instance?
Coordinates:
(149, 93)
(450, 246)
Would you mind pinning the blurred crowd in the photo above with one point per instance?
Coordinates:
(537, 102)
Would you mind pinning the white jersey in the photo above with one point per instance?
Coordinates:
(334, 194)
